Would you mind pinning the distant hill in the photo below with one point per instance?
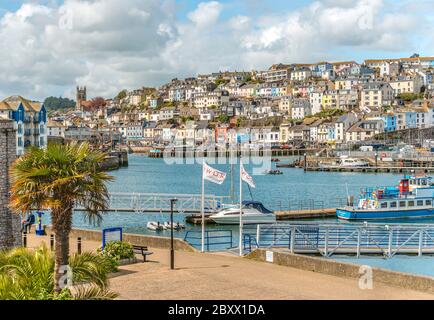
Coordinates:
(54, 103)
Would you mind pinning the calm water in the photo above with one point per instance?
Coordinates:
(276, 191)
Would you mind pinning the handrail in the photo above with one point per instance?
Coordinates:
(333, 238)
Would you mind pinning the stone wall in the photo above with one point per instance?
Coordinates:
(10, 235)
(136, 239)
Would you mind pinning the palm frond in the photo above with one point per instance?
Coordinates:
(92, 292)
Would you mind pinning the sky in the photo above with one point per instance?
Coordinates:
(48, 47)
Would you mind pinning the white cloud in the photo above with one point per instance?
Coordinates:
(109, 45)
(206, 13)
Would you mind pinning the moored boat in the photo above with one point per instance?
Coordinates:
(155, 226)
(412, 198)
(253, 212)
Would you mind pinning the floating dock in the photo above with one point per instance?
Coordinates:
(305, 214)
(280, 215)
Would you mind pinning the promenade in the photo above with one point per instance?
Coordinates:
(224, 276)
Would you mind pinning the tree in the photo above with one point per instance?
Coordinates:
(59, 178)
(54, 103)
(97, 103)
(121, 95)
(223, 118)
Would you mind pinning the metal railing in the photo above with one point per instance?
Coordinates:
(215, 240)
(154, 202)
(340, 238)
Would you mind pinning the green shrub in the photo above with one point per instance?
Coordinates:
(118, 250)
(29, 275)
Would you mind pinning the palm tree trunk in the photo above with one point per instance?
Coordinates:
(61, 221)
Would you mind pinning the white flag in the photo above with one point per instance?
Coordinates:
(213, 175)
(246, 177)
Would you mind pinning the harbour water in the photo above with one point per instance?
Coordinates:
(148, 175)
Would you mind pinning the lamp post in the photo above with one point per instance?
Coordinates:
(172, 251)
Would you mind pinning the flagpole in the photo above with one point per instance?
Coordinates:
(241, 207)
(203, 207)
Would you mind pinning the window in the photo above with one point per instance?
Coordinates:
(419, 202)
(410, 203)
(402, 204)
(428, 202)
(393, 204)
(384, 205)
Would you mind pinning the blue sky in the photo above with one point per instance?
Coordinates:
(110, 45)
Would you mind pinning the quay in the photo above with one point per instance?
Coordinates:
(215, 275)
(371, 169)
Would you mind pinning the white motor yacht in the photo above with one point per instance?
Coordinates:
(254, 212)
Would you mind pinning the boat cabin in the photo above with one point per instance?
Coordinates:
(256, 205)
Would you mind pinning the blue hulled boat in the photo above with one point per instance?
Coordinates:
(412, 198)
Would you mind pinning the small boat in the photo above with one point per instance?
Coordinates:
(176, 225)
(412, 198)
(155, 226)
(275, 160)
(346, 163)
(273, 172)
(253, 212)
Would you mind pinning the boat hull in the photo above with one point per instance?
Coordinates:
(354, 214)
(253, 219)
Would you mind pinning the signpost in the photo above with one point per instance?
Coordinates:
(111, 234)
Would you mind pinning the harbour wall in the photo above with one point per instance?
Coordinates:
(347, 270)
(136, 239)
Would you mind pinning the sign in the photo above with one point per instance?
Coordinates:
(111, 234)
(269, 256)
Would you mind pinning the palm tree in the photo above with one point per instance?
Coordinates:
(59, 178)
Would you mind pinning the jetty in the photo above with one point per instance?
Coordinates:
(378, 169)
(305, 214)
(327, 239)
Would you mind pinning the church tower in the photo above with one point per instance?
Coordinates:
(81, 96)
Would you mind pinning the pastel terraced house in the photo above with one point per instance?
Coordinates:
(30, 121)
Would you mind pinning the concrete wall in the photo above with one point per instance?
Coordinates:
(136, 239)
(348, 270)
(10, 235)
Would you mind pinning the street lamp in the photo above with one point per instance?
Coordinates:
(172, 251)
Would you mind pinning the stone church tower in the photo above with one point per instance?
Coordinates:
(10, 233)
(81, 96)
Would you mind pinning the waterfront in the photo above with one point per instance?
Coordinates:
(155, 176)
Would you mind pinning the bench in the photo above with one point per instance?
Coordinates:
(143, 250)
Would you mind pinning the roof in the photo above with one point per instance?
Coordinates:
(13, 102)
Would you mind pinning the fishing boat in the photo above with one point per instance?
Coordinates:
(412, 198)
(155, 226)
(253, 212)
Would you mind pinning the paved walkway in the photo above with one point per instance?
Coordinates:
(222, 276)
